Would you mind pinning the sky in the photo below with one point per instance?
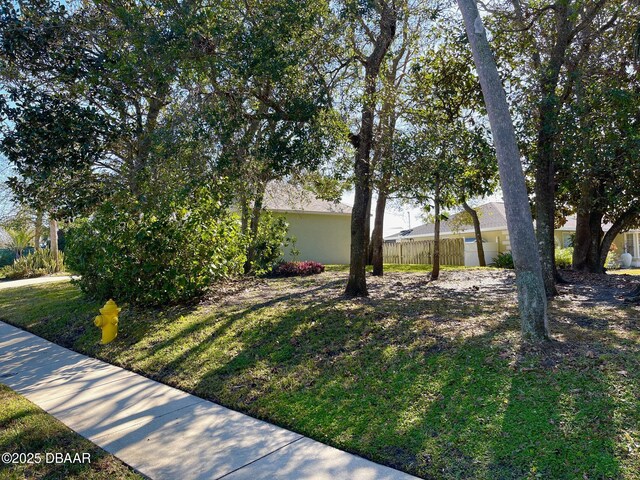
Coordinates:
(397, 218)
(5, 203)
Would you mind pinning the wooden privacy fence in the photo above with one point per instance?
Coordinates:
(421, 252)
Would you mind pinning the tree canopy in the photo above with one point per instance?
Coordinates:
(114, 101)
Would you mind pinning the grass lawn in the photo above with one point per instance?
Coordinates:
(25, 428)
(627, 271)
(427, 377)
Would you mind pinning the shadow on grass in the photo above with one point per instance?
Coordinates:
(415, 400)
(434, 382)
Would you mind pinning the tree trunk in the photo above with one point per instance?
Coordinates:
(547, 135)
(596, 245)
(377, 241)
(476, 228)
(256, 212)
(37, 232)
(592, 244)
(245, 216)
(587, 243)
(389, 114)
(582, 237)
(532, 300)
(621, 224)
(435, 271)
(357, 283)
(603, 250)
(367, 229)
(545, 206)
(53, 237)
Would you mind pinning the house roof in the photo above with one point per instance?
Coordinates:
(491, 216)
(571, 221)
(283, 197)
(570, 224)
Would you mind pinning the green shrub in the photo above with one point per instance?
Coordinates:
(269, 243)
(503, 260)
(7, 256)
(564, 257)
(295, 269)
(156, 254)
(35, 264)
(613, 261)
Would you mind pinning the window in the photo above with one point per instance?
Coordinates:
(473, 240)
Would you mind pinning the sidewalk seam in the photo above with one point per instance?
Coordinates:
(264, 456)
(141, 421)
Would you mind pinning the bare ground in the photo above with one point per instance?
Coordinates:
(461, 304)
(582, 290)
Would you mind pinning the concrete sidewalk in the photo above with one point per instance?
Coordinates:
(163, 432)
(33, 281)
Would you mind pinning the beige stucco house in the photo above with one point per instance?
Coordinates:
(322, 229)
(493, 224)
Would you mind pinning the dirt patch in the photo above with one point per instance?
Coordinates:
(228, 291)
(329, 286)
(581, 289)
(590, 289)
(461, 304)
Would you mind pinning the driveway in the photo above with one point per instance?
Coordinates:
(33, 281)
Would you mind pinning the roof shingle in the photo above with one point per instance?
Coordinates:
(283, 197)
(491, 216)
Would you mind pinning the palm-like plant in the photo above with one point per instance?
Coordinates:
(19, 239)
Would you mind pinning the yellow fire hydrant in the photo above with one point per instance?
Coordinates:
(108, 321)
